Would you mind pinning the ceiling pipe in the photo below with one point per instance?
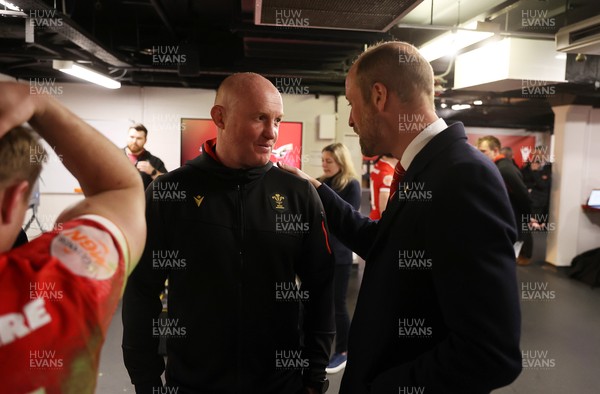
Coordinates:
(518, 34)
(69, 30)
(163, 17)
(314, 75)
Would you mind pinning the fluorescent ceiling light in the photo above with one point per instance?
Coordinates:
(477, 102)
(10, 5)
(10, 9)
(460, 107)
(82, 72)
(451, 42)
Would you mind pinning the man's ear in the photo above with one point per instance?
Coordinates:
(12, 198)
(217, 113)
(379, 95)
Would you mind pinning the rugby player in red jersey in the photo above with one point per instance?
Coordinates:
(59, 291)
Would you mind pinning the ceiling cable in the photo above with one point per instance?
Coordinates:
(431, 17)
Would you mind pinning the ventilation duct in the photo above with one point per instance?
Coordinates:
(511, 64)
(378, 16)
(582, 37)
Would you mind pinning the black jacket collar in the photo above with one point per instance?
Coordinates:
(207, 164)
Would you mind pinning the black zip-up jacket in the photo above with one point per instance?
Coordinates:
(539, 182)
(231, 243)
(517, 192)
(154, 162)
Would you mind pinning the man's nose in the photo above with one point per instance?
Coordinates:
(270, 130)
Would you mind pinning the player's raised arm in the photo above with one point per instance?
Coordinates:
(111, 186)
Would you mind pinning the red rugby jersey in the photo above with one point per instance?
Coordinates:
(381, 175)
(59, 293)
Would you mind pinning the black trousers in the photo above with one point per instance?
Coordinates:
(342, 319)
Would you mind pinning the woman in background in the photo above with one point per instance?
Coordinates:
(339, 174)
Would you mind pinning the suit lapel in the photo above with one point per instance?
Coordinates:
(432, 149)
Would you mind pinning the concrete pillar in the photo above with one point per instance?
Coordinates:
(575, 172)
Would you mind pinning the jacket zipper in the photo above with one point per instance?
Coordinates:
(240, 191)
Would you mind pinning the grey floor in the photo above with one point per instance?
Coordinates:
(560, 336)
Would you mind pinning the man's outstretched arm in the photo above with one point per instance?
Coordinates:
(356, 231)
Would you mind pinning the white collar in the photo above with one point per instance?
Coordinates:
(421, 140)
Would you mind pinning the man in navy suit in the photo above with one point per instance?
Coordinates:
(438, 309)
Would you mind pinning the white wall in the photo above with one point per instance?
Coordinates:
(306, 109)
(574, 174)
(589, 231)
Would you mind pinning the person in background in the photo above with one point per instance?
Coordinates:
(537, 175)
(232, 234)
(508, 153)
(339, 174)
(149, 166)
(438, 309)
(381, 179)
(60, 291)
(517, 192)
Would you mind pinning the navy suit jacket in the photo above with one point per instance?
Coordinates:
(438, 308)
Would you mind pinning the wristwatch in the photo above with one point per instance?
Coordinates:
(154, 172)
(321, 386)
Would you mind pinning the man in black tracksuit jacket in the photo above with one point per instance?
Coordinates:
(517, 192)
(231, 242)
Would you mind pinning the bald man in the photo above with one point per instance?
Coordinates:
(232, 234)
(438, 309)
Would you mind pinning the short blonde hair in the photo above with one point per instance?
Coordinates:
(22, 157)
(493, 142)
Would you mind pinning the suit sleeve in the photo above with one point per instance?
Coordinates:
(315, 270)
(356, 231)
(352, 194)
(142, 306)
(474, 275)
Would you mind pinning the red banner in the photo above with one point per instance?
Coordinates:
(522, 145)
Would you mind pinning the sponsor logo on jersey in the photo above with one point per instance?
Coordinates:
(86, 251)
